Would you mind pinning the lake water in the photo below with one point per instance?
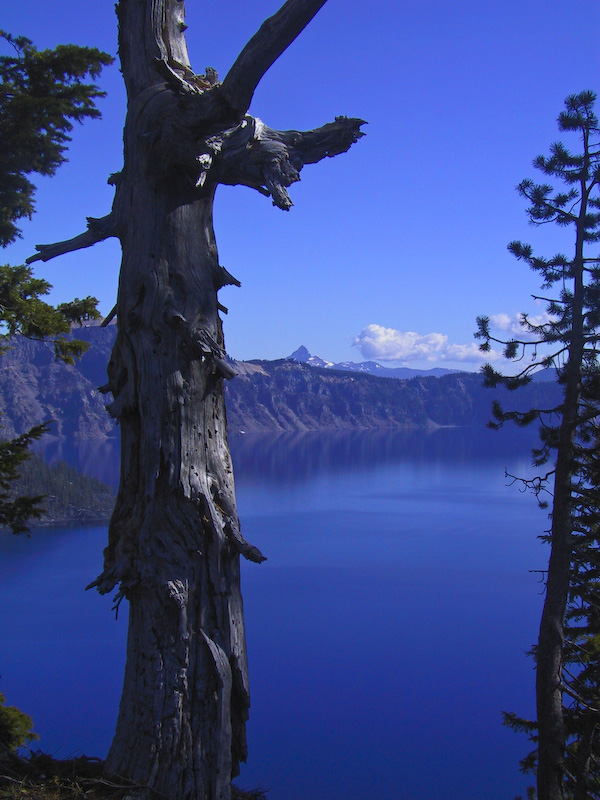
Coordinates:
(386, 631)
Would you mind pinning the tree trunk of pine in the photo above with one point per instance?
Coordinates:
(549, 651)
(172, 539)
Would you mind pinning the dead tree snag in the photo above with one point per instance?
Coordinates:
(174, 538)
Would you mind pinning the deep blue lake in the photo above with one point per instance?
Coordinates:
(386, 631)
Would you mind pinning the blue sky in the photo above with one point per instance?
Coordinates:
(393, 249)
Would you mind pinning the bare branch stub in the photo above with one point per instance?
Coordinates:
(98, 230)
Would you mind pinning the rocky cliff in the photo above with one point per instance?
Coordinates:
(266, 396)
(34, 387)
(287, 396)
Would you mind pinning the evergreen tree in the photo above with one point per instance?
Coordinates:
(567, 665)
(41, 93)
(15, 727)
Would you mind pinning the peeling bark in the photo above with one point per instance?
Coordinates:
(174, 538)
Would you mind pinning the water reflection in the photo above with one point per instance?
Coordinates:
(98, 458)
(394, 611)
(290, 458)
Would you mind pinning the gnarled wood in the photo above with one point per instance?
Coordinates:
(174, 538)
(277, 156)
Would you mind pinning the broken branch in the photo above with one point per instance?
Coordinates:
(98, 230)
(269, 161)
(273, 37)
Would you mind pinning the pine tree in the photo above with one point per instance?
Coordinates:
(566, 654)
(41, 93)
(15, 727)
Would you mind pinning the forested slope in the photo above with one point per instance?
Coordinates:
(69, 496)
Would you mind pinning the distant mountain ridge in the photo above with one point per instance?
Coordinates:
(303, 356)
(282, 395)
(288, 395)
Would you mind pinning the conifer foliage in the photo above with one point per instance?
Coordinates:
(42, 92)
(567, 654)
(15, 727)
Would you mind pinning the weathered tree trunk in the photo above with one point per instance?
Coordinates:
(549, 651)
(174, 538)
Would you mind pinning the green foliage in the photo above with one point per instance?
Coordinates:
(15, 511)
(41, 93)
(550, 341)
(22, 311)
(15, 727)
(566, 341)
(247, 794)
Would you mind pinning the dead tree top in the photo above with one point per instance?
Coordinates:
(202, 123)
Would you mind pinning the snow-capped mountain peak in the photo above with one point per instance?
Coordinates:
(372, 367)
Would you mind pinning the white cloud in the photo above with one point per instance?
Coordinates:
(389, 344)
(469, 353)
(511, 324)
(504, 322)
